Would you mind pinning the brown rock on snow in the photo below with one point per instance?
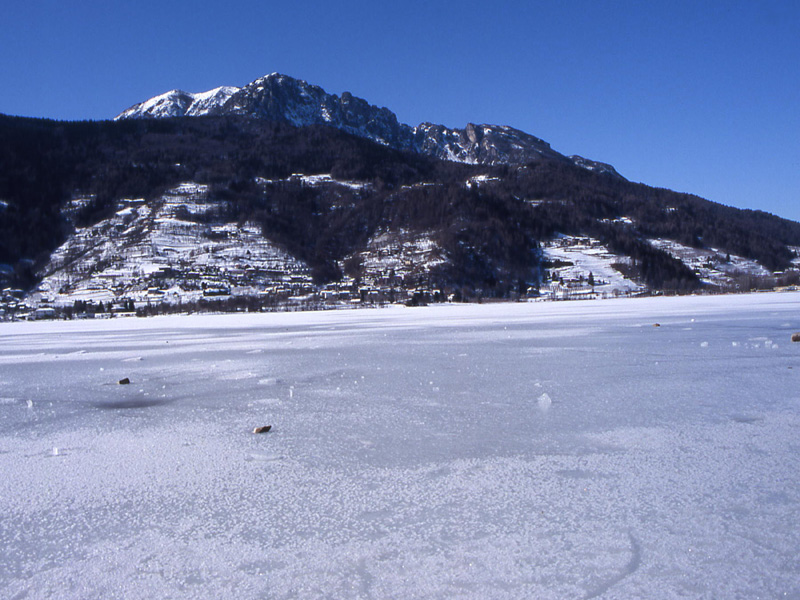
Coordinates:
(264, 429)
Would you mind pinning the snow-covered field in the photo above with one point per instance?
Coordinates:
(535, 450)
(579, 257)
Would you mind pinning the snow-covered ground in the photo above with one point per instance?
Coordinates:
(316, 180)
(712, 265)
(574, 259)
(161, 251)
(531, 450)
(796, 250)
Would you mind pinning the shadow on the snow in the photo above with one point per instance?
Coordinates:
(132, 403)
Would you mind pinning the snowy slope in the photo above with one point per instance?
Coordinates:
(161, 251)
(712, 265)
(483, 451)
(177, 103)
(574, 259)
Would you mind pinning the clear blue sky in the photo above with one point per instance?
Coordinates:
(701, 97)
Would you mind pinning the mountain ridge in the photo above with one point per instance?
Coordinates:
(279, 97)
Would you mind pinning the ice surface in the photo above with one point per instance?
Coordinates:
(411, 454)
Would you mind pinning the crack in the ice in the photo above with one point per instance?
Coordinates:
(628, 569)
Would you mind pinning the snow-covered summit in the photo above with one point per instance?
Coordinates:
(177, 103)
(205, 102)
(279, 97)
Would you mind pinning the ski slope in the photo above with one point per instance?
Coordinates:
(530, 450)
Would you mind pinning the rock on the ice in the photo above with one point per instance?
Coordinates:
(796, 337)
(263, 429)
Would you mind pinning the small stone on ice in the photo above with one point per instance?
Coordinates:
(263, 429)
(124, 381)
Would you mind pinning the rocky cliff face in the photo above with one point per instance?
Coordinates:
(281, 98)
(481, 144)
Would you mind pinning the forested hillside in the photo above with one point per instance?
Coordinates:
(488, 220)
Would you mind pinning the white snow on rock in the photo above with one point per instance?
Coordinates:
(203, 102)
(666, 467)
(177, 103)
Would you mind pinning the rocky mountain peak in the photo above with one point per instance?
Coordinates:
(474, 134)
(278, 97)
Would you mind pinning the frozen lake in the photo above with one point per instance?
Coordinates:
(562, 450)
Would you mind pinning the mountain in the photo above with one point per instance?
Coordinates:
(256, 197)
(177, 103)
(281, 98)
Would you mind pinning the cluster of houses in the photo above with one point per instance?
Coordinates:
(368, 291)
(393, 271)
(13, 304)
(209, 286)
